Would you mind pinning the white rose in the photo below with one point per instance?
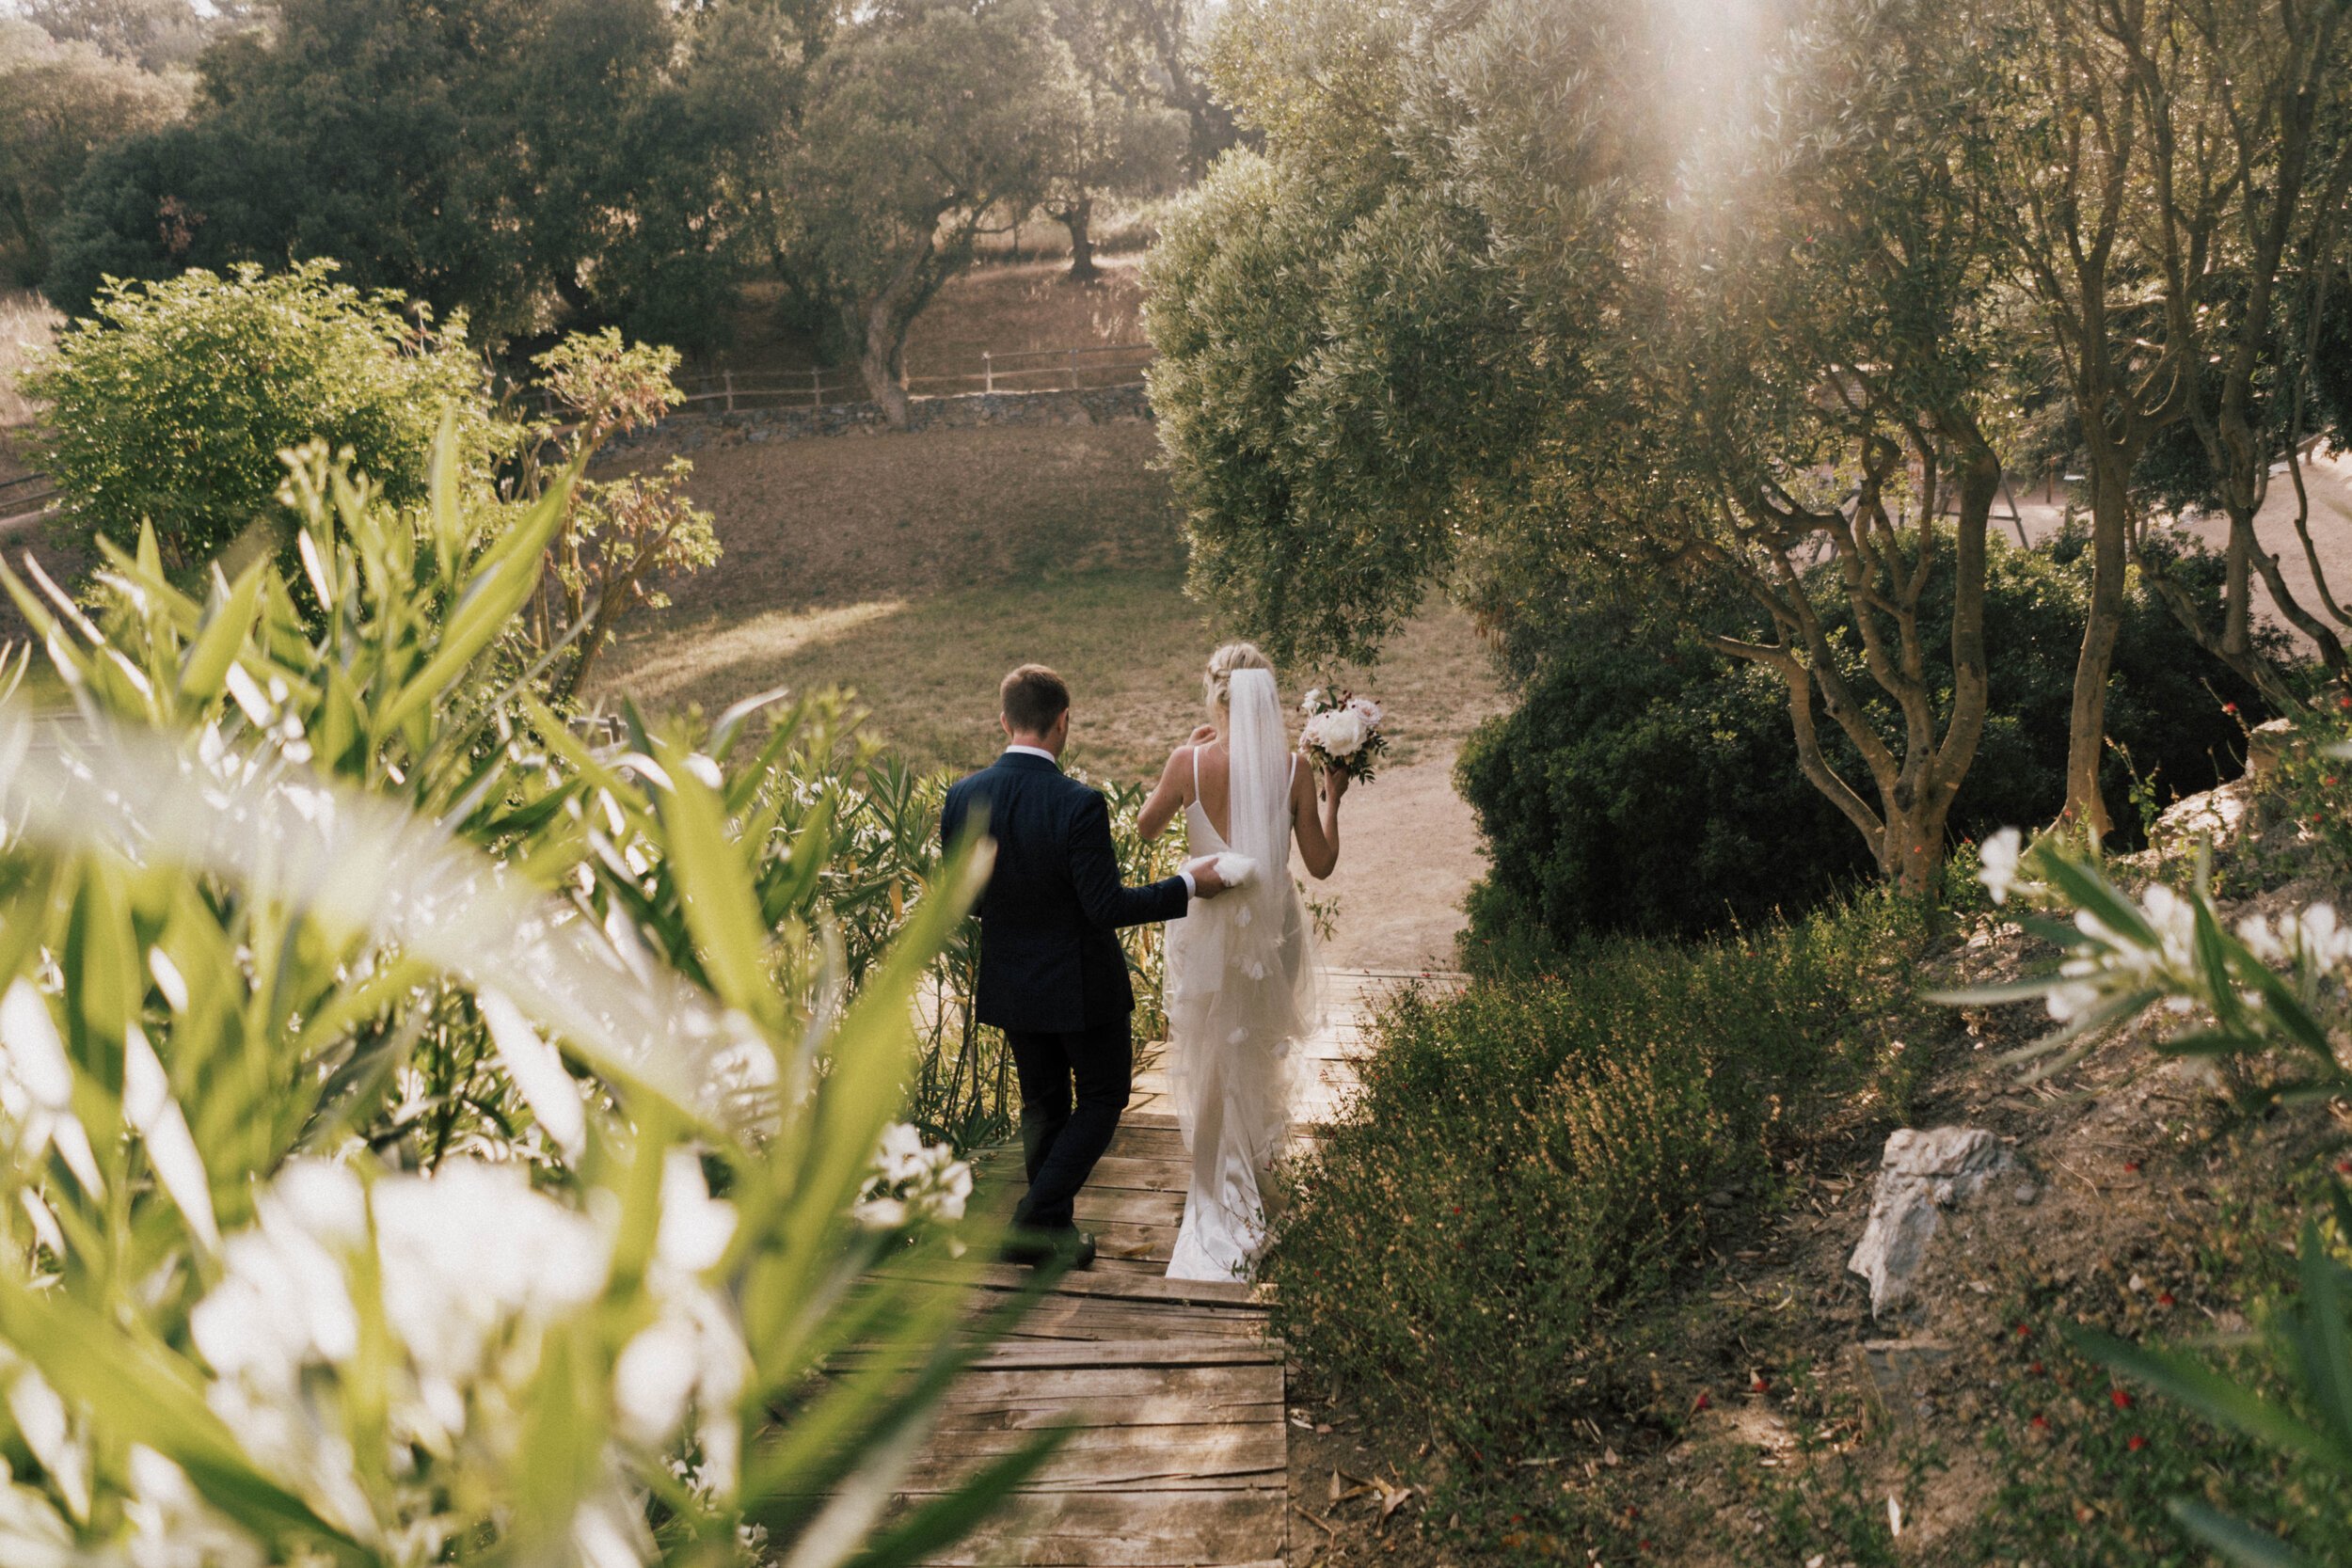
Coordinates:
(1365, 707)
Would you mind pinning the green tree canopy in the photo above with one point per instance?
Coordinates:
(927, 123)
(1521, 298)
(529, 161)
(61, 102)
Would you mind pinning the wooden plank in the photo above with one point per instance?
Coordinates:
(1159, 1411)
(1123, 1173)
(1113, 1278)
(1075, 1317)
(1153, 1458)
(1120, 1529)
(1163, 1352)
(1220, 1441)
(1211, 1387)
(1103, 1206)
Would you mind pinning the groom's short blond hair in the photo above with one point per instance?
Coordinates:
(1033, 697)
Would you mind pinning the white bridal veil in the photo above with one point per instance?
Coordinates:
(1241, 989)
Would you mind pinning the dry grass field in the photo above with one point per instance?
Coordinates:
(916, 569)
(27, 325)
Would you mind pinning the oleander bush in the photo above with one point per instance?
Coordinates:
(425, 1134)
(1645, 784)
(1532, 1160)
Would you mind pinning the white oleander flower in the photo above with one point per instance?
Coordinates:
(473, 1269)
(910, 1181)
(2000, 855)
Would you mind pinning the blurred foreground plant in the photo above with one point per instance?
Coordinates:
(2269, 989)
(423, 1136)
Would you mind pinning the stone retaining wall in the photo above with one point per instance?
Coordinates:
(1090, 406)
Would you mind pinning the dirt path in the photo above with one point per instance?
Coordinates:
(1408, 852)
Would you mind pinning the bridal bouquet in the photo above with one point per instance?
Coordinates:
(1343, 733)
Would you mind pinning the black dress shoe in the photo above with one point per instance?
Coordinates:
(1066, 1245)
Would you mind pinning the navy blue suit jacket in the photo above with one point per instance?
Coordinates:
(1050, 959)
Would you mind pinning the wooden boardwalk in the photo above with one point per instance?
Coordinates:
(1181, 1455)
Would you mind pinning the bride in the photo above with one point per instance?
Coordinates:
(1242, 976)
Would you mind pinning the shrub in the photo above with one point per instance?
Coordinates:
(1644, 784)
(1537, 1157)
(172, 403)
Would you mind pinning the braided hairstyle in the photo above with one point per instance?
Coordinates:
(1216, 684)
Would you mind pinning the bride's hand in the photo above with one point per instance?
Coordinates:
(1202, 735)
(1335, 784)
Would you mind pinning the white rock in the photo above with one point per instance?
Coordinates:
(1919, 1175)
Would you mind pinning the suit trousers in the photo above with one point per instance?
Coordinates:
(1074, 1086)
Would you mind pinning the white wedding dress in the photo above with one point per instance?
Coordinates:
(1241, 990)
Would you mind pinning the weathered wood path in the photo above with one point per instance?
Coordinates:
(1180, 1456)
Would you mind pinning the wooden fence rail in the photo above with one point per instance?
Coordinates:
(1050, 369)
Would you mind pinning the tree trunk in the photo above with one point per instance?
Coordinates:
(881, 356)
(2086, 727)
(1078, 218)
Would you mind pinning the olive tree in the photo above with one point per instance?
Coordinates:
(1498, 307)
(2170, 180)
(925, 125)
(1105, 132)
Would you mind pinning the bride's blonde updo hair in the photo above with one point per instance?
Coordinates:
(1217, 685)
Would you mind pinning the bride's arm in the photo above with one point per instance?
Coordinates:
(1168, 796)
(1318, 821)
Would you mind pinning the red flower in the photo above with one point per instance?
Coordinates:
(1699, 1404)
(2131, 1165)
(1759, 1384)
(2040, 1423)
(2343, 1167)
(2023, 1331)
(2164, 1298)
(2122, 1397)
(2137, 1443)
(2229, 707)
(2035, 1369)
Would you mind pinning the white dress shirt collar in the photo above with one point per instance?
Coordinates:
(1033, 751)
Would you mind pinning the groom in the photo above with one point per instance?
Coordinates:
(1052, 974)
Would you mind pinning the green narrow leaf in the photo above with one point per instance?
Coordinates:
(2210, 1394)
(2242, 1544)
(204, 669)
(2329, 1356)
(712, 886)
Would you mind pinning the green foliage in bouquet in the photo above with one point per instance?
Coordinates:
(429, 1137)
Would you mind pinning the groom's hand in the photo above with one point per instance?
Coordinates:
(1206, 883)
